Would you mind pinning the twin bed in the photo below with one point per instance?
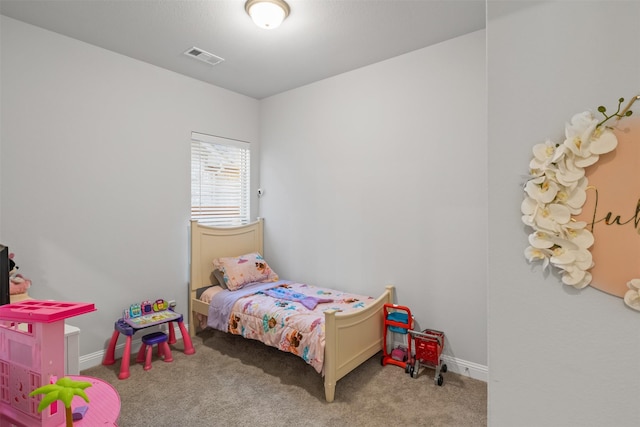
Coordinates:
(351, 335)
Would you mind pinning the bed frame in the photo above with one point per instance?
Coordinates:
(350, 339)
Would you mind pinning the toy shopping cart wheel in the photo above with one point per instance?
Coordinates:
(397, 319)
(428, 345)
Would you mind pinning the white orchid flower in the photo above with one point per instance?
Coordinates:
(584, 259)
(581, 123)
(578, 135)
(575, 272)
(577, 234)
(541, 240)
(587, 141)
(542, 189)
(632, 296)
(529, 207)
(536, 254)
(632, 299)
(574, 261)
(543, 155)
(604, 141)
(576, 277)
(568, 252)
(561, 152)
(562, 255)
(573, 197)
(551, 217)
(634, 284)
(567, 173)
(544, 217)
(574, 200)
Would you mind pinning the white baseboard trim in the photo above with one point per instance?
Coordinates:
(94, 359)
(466, 368)
(455, 365)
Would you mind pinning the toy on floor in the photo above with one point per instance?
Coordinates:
(64, 390)
(398, 320)
(18, 284)
(429, 345)
(33, 355)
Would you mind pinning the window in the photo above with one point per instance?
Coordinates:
(219, 180)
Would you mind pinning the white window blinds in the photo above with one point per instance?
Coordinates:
(219, 180)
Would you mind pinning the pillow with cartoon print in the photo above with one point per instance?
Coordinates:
(242, 270)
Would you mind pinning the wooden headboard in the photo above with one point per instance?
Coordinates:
(208, 243)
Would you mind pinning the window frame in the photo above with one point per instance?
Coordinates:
(220, 180)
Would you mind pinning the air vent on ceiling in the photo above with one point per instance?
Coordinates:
(204, 56)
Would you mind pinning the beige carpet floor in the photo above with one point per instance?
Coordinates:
(231, 381)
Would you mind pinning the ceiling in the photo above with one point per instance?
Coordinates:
(319, 39)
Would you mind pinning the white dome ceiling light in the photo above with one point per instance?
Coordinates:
(267, 14)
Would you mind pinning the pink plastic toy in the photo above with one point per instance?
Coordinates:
(129, 325)
(32, 355)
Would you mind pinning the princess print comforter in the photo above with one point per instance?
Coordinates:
(283, 314)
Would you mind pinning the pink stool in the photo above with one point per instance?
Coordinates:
(146, 350)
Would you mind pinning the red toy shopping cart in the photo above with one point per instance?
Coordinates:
(429, 345)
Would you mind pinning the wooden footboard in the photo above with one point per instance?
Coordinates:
(351, 339)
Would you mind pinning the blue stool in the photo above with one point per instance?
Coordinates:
(146, 350)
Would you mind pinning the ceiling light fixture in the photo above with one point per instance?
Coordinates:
(267, 14)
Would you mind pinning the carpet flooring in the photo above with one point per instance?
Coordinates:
(231, 381)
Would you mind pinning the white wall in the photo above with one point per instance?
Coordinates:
(95, 171)
(104, 219)
(557, 356)
(378, 176)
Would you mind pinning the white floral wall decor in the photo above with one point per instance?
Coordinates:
(556, 191)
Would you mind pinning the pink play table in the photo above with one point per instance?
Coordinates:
(128, 327)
